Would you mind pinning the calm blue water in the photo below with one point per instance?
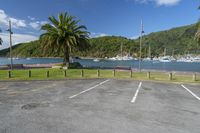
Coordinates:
(4, 61)
(171, 66)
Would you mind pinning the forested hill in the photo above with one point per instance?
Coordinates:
(180, 40)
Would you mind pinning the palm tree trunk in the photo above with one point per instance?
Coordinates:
(66, 56)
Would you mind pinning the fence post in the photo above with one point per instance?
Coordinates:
(65, 73)
(131, 73)
(194, 77)
(82, 73)
(113, 72)
(170, 76)
(98, 73)
(9, 74)
(148, 75)
(29, 73)
(47, 74)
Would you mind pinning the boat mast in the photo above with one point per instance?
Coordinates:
(149, 51)
(165, 50)
(173, 52)
(121, 50)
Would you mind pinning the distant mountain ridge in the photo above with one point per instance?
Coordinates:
(177, 40)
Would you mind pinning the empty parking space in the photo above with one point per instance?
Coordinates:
(99, 105)
(168, 107)
(42, 90)
(194, 90)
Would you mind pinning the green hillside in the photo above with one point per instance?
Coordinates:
(180, 40)
(98, 47)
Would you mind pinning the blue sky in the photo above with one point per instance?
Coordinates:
(102, 17)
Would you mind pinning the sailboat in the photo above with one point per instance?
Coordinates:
(149, 55)
(166, 58)
(96, 60)
(121, 57)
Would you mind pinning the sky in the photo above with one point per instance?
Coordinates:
(101, 17)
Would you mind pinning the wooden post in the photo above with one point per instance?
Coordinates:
(47, 74)
(194, 77)
(82, 73)
(131, 73)
(148, 75)
(98, 73)
(9, 74)
(65, 73)
(114, 72)
(170, 76)
(29, 73)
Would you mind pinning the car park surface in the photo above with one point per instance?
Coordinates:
(98, 105)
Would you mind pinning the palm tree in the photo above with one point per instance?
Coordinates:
(63, 34)
(1, 41)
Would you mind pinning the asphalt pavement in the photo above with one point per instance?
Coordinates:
(99, 106)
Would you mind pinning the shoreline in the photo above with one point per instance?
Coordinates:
(50, 65)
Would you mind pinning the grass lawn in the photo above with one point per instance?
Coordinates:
(45, 74)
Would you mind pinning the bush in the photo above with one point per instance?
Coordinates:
(75, 65)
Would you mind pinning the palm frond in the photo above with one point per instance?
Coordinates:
(1, 41)
(54, 21)
(63, 33)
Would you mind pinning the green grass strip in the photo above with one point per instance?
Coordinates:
(54, 74)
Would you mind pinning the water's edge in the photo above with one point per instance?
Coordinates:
(108, 64)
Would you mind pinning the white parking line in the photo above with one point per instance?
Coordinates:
(193, 94)
(88, 89)
(136, 93)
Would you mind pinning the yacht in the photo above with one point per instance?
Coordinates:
(189, 58)
(167, 59)
(147, 59)
(164, 59)
(121, 57)
(96, 60)
(196, 59)
(127, 57)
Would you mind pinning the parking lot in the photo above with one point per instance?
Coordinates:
(99, 106)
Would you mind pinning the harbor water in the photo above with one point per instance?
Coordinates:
(134, 64)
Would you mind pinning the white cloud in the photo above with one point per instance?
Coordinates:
(134, 37)
(167, 2)
(31, 18)
(34, 25)
(20, 23)
(37, 24)
(95, 35)
(16, 23)
(3, 17)
(16, 38)
(102, 34)
(161, 2)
